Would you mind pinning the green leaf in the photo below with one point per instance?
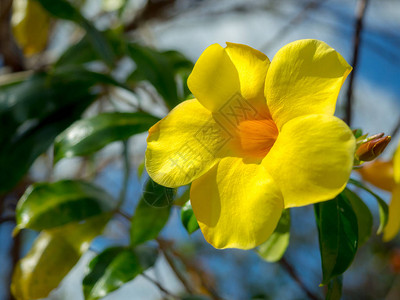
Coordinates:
(64, 10)
(114, 267)
(152, 213)
(52, 256)
(33, 113)
(334, 289)
(383, 207)
(90, 135)
(364, 216)
(83, 51)
(274, 248)
(157, 195)
(338, 236)
(188, 219)
(155, 68)
(48, 205)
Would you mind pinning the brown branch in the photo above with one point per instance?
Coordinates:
(396, 129)
(362, 6)
(298, 18)
(164, 249)
(7, 219)
(152, 10)
(287, 266)
(160, 287)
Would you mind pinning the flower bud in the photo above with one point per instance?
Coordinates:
(372, 147)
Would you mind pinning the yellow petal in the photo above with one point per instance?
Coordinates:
(311, 159)
(237, 204)
(214, 79)
(304, 78)
(379, 173)
(252, 66)
(393, 225)
(31, 26)
(396, 165)
(184, 145)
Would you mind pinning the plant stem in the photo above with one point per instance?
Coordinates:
(362, 6)
(288, 267)
(171, 262)
(160, 287)
(127, 170)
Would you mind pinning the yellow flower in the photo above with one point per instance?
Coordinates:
(386, 176)
(259, 137)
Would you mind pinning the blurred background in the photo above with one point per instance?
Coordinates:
(56, 43)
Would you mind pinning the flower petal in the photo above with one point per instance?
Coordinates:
(184, 145)
(311, 159)
(237, 204)
(379, 173)
(252, 66)
(393, 225)
(214, 79)
(396, 165)
(304, 78)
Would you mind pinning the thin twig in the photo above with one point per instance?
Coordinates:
(171, 262)
(362, 6)
(127, 169)
(396, 129)
(286, 265)
(298, 18)
(7, 219)
(160, 287)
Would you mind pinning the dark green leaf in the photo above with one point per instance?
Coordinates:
(64, 10)
(334, 289)
(338, 236)
(188, 219)
(84, 52)
(48, 205)
(157, 195)
(61, 9)
(33, 113)
(152, 213)
(90, 135)
(114, 267)
(274, 248)
(52, 256)
(383, 207)
(364, 216)
(155, 68)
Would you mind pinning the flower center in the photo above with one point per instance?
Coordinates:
(256, 137)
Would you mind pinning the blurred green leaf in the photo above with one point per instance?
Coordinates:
(83, 51)
(364, 216)
(275, 247)
(188, 218)
(47, 205)
(33, 113)
(156, 68)
(152, 213)
(383, 207)
(90, 135)
(338, 236)
(52, 256)
(64, 10)
(114, 267)
(335, 289)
